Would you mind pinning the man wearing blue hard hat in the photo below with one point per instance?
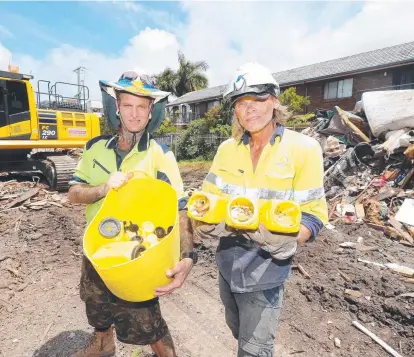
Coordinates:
(134, 108)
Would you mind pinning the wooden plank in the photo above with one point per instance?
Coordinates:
(346, 277)
(408, 280)
(399, 227)
(23, 197)
(333, 207)
(303, 271)
(351, 125)
(376, 339)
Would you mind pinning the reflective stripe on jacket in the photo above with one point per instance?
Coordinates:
(290, 168)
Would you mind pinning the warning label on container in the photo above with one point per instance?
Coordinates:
(77, 132)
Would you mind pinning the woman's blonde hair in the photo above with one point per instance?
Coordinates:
(280, 116)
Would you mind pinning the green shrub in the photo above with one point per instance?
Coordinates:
(296, 103)
(193, 143)
(218, 115)
(166, 127)
(300, 119)
(223, 131)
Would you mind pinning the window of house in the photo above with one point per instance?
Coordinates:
(212, 104)
(338, 89)
(407, 79)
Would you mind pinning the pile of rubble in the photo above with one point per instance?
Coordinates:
(28, 195)
(369, 162)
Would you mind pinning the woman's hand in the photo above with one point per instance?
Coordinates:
(280, 246)
(210, 231)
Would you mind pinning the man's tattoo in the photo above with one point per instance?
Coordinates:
(86, 194)
(186, 233)
(127, 140)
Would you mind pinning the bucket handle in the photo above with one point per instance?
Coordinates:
(139, 172)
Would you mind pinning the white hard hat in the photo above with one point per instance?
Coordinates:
(251, 79)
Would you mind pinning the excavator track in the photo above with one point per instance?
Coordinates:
(60, 169)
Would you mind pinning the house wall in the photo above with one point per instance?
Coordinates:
(361, 82)
(185, 113)
(203, 107)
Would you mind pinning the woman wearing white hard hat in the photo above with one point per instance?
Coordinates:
(265, 161)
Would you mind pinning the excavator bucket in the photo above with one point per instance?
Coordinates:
(107, 243)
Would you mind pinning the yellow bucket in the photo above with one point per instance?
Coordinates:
(140, 200)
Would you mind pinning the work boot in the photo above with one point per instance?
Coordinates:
(102, 344)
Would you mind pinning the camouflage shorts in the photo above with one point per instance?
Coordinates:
(138, 323)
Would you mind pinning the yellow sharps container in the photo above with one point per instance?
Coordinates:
(281, 216)
(140, 200)
(207, 207)
(243, 213)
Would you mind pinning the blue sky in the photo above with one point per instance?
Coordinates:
(50, 39)
(101, 26)
(107, 27)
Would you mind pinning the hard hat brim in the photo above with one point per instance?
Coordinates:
(261, 97)
(109, 105)
(137, 88)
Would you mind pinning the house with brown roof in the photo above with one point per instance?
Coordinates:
(336, 82)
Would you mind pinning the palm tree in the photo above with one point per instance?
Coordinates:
(190, 75)
(188, 78)
(167, 80)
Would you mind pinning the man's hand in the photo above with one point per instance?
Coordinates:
(116, 180)
(179, 273)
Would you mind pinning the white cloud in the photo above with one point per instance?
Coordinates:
(5, 32)
(129, 5)
(280, 35)
(148, 52)
(284, 36)
(5, 57)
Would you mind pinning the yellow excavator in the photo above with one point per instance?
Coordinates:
(39, 128)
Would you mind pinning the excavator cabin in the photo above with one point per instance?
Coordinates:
(39, 128)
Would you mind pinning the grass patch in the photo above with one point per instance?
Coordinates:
(194, 165)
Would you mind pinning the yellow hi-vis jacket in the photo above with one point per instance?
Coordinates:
(100, 159)
(290, 168)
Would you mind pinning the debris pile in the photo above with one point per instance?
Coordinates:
(369, 162)
(28, 195)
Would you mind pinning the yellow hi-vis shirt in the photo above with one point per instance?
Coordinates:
(100, 159)
(290, 168)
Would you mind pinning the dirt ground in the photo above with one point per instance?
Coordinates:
(41, 314)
